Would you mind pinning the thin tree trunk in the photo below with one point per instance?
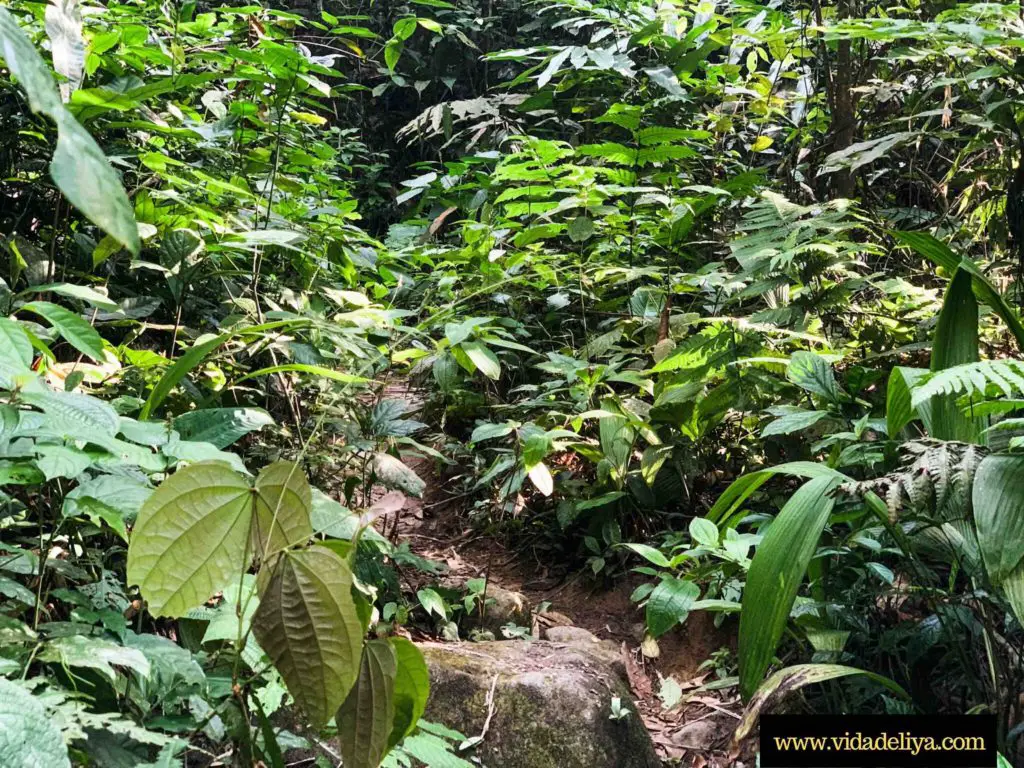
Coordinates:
(844, 115)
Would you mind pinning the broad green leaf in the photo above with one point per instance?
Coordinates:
(485, 360)
(490, 431)
(365, 720)
(670, 604)
(445, 371)
(940, 254)
(412, 688)
(191, 537)
(998, 502)
(81, 292)
(64, 28)
(650, 554)
(15, 590)
(79, 167)
(29, 735)
(646, 302)
(387, 419)
(433, 751)
(233, 616)
(20, 473)
(617, 438)
(150, 433)
(794, 421)
(789, 679)
(179, 248)
(775, 575)
(193, 452)
(308, 625)
(1013, 588)
(27, 65)
(432, 603)
(392, 52)
(743, 487)
(704, 532)
(580, 229)
(330, 518)
(541, 478)
(15, 352)
(392, 473)
(76, 331)
(813, 373)
(955, 343)
(94, 653)
(173, 671)
(89, 182)
(71, 414)
(115, 499)
(62, 461)
(221, 426)
(283, 501)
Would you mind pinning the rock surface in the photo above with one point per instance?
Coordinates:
(571, 635)
(503, 607)
(549, 708)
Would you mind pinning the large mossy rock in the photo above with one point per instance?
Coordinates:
(551, 704)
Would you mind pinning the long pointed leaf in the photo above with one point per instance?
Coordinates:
(789, 679)
(775, 574)
(742, 488)
(955, 343)
(197, 354)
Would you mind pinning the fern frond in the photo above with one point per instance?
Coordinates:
(978, 378)
(936, 478)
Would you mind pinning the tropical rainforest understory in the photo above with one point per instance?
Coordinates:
(322, 324)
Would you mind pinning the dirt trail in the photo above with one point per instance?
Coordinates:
(694, 732)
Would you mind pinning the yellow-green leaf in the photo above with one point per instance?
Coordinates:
(786, 680)
(191, 537)
(283, 502)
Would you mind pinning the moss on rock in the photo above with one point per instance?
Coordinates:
(550, 703)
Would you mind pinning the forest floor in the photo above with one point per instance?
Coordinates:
(695, 730)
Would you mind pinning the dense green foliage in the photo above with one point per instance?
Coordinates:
(724, 293)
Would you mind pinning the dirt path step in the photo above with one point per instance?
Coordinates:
(695, 731)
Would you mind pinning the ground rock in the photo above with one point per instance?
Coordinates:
(502, 606)
(549, 708)
(570, 635)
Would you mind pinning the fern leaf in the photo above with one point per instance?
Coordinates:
(972, 379)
